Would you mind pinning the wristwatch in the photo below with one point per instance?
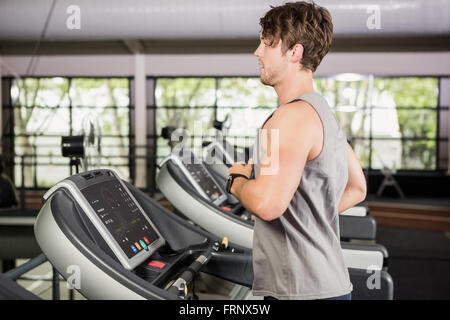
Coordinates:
(231, 178)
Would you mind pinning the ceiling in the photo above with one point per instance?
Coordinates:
(210, 26)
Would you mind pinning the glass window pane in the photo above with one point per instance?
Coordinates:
(406, 155)
(345, 92)
(417, 123)
(244, 122)
(405, 92)
(245, 92)
(196, 120)
(361, 147)
(444, 92)
(355, 123)
(114, 151)
(163, 149)
(41, 106)
(443, 123)
(48, 175)
(27, 170)
(48, 149)
(42, 121)
(406, 123)
(386, 153)
(112, 121)
(93, 92)
(185, 92)
(51, 92)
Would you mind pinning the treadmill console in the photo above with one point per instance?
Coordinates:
(116, 215)
(121, 216)
(200, 177)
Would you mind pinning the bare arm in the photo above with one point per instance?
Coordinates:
(269, 195)
(356, 189)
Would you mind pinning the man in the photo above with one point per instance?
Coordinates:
(296, 245)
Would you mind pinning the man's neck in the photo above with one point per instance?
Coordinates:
(294, 85)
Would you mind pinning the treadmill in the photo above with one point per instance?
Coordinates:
(17, 239)
(126, 246)
(194, 190)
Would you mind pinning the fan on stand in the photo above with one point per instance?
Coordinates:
(85, 149)
(92, 142)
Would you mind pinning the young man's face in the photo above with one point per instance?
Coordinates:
(273, 63)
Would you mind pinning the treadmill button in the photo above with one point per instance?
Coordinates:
(143, 245)
(226, 208)
(157, 264)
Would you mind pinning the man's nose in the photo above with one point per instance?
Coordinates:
(257, 51)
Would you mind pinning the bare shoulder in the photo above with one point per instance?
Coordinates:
(299, 114)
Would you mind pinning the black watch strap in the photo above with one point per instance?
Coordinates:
(230, 181)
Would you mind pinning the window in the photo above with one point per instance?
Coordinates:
(390, 121)
(399, 122)
(47, 108)
(194, 104)
(184, 103)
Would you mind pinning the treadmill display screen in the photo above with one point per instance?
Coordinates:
(120, 215)
(204, 180)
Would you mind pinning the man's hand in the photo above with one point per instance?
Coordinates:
(242, 168)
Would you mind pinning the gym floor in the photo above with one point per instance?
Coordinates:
(419, 262)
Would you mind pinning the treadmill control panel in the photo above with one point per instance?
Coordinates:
(204, 180)
(121, 216)
(200, 178)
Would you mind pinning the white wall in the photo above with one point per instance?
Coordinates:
(420, 63)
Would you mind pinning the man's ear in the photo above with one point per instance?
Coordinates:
(297, 53)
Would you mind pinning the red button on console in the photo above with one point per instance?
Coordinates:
(157, 264)
(226, 208)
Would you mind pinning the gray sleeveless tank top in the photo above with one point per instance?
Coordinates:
(298, 255)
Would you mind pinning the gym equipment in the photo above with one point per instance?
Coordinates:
(112, 241)
(125, 245)
(194, 190)
(10, 290)
(17, 236)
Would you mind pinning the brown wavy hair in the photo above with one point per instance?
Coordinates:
(299, 22)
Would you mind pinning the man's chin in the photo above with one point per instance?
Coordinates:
(265, 81)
